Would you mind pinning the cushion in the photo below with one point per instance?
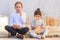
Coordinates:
(3, 23)
(51, 21)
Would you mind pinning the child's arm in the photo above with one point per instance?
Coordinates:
(34, 27)
(16, 26)
(43, 25)
(33, 24)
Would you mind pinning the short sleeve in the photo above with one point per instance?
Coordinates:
(33, 23)
(43, 23)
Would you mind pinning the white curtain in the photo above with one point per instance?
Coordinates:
(50, 7)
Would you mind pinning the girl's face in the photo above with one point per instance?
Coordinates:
(18, 7)
(37, 17)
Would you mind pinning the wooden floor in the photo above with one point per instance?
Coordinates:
(43, 39)
(29, 39)
(9, 39)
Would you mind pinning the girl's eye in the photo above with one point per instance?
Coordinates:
(18, 7)
(37, 16)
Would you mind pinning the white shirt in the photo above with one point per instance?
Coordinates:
(37, 23)
(15, 18)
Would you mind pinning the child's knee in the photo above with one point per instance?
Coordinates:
(6, 27)
(26, 29)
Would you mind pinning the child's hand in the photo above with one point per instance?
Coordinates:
(42, 27)
(16, 26)
(38, 30)
(34, 27)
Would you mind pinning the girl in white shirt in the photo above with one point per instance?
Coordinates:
(38, 24)
(17, 22)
